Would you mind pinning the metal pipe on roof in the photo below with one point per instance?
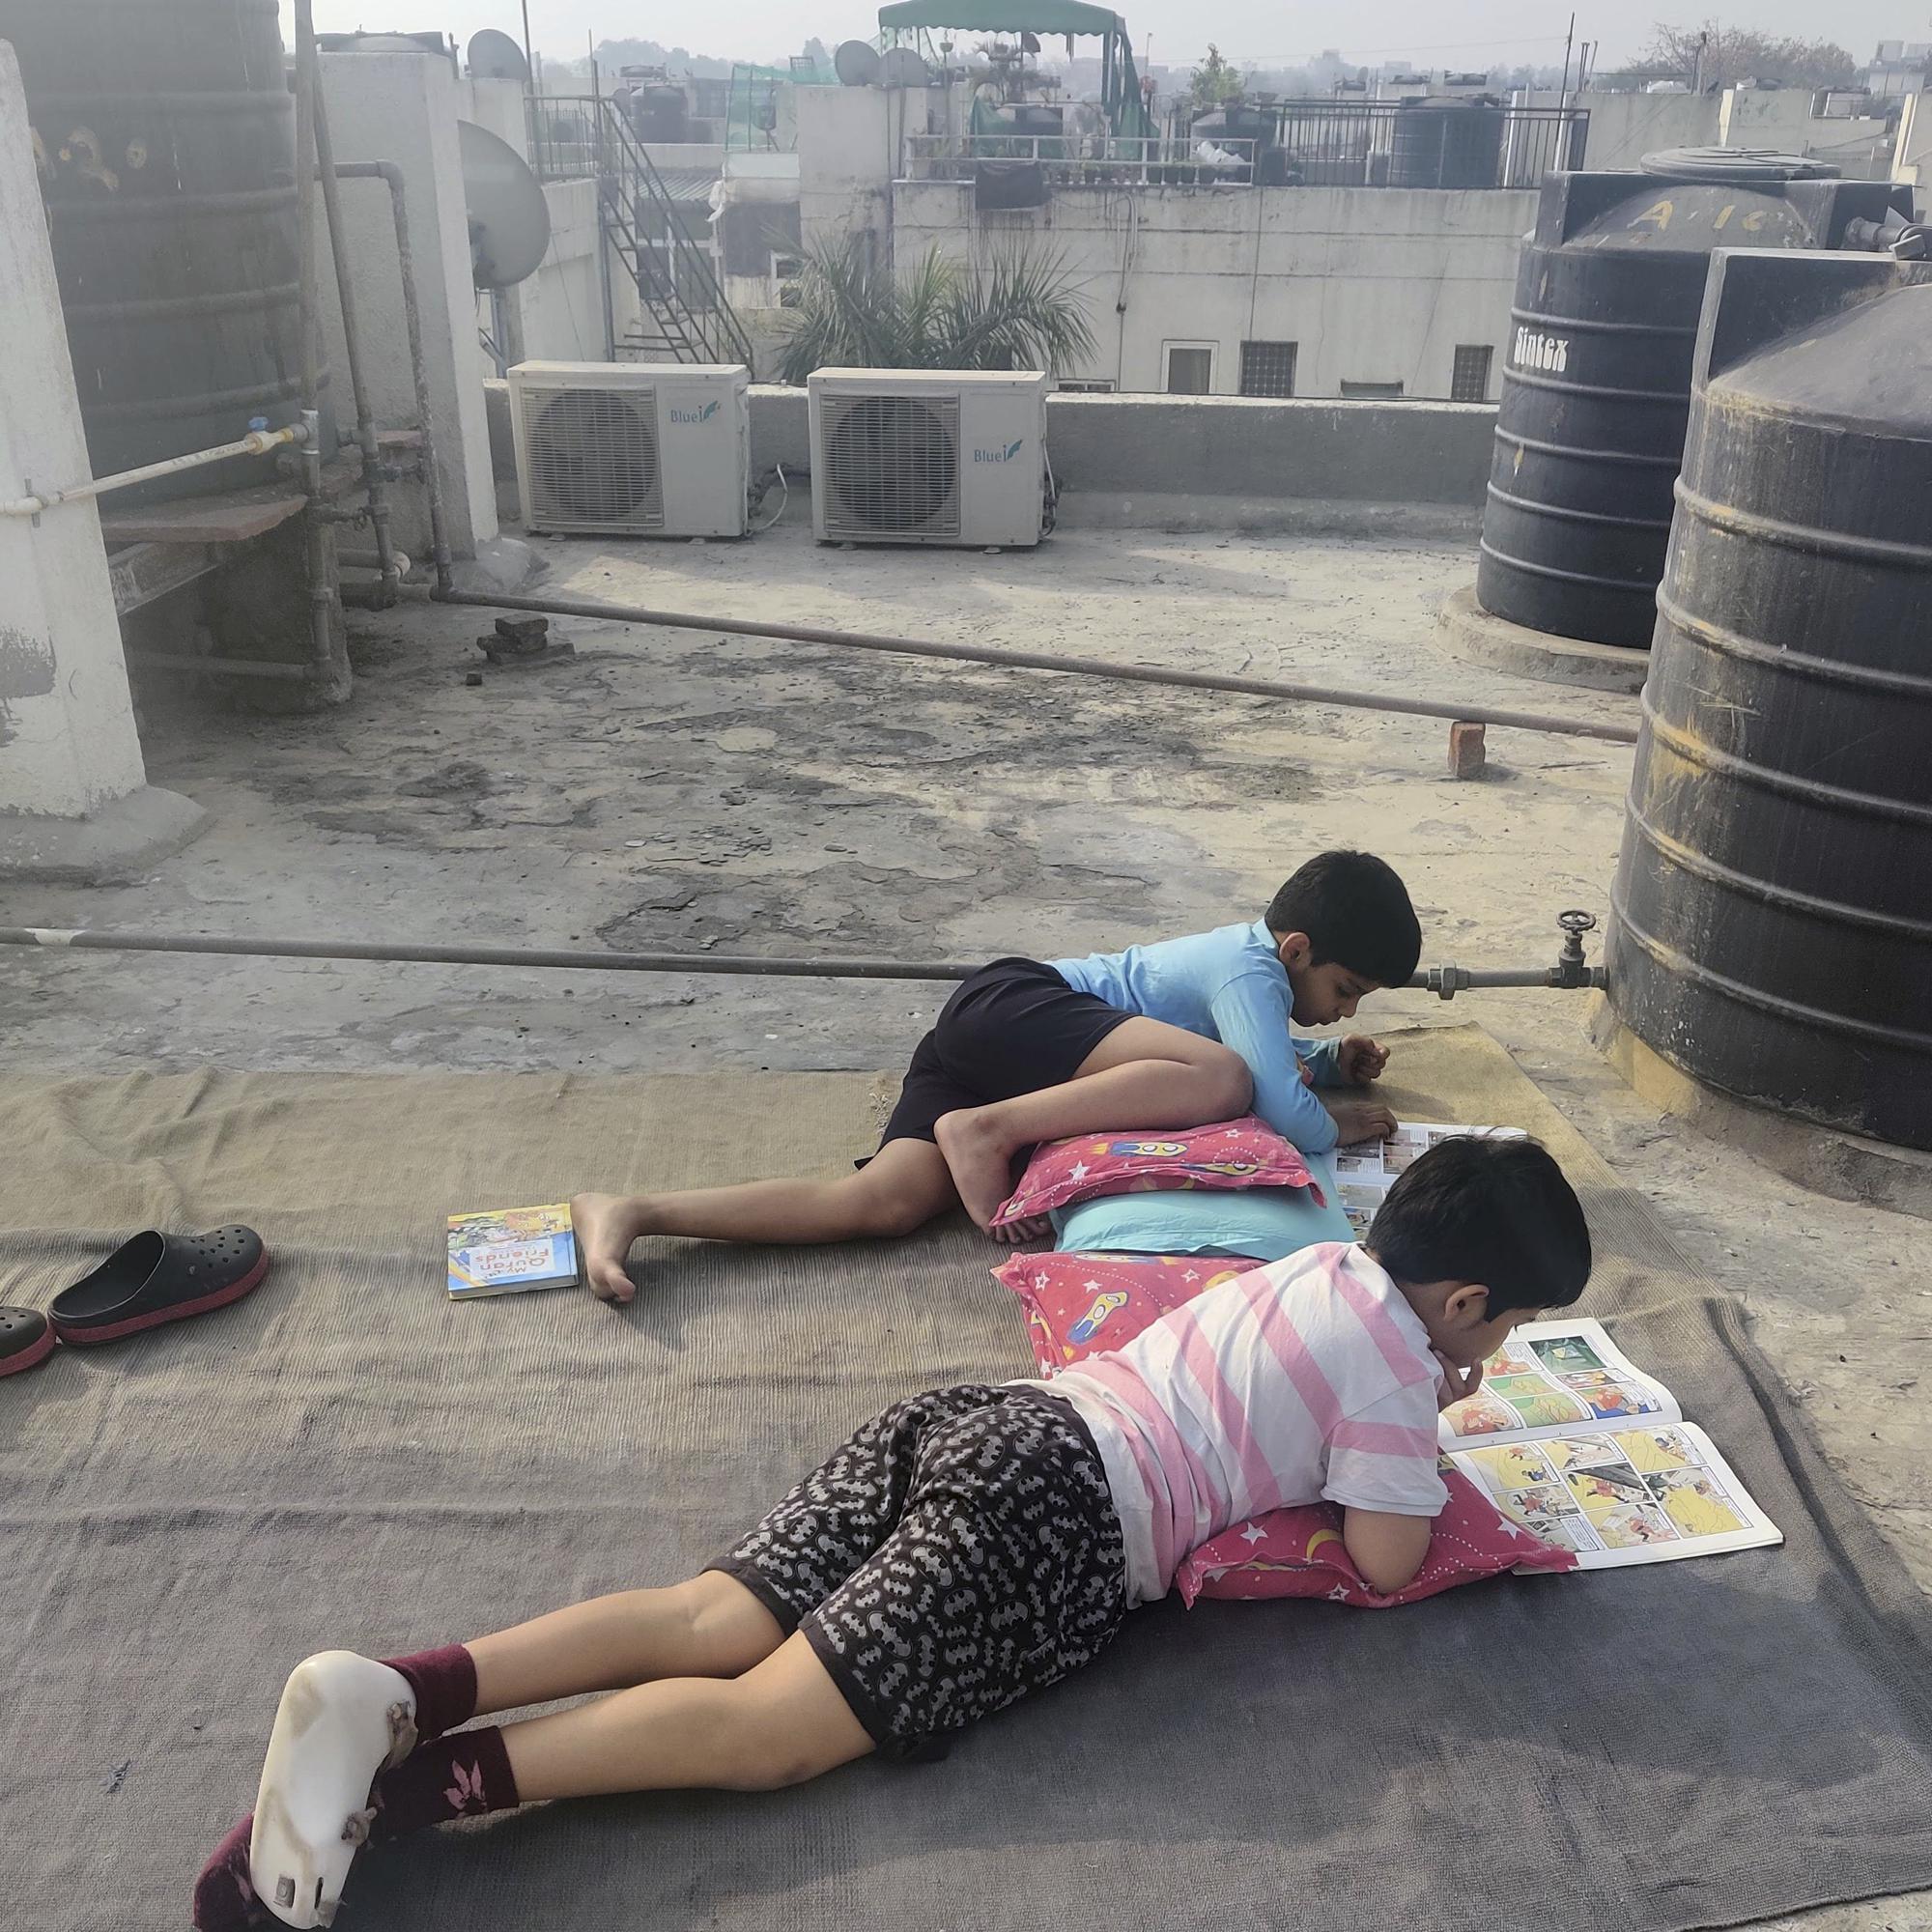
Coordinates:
(365, 415)
(1186, 680)
(317, 546)
(438, 529)
(257, 443)
(1445, 980)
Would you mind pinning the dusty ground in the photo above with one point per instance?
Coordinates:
(677, 789)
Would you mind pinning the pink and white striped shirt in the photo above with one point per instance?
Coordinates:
(1309, 1378)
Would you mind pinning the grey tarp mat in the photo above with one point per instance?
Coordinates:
(349, 1459)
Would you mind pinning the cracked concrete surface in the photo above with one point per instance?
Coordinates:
(674, 790)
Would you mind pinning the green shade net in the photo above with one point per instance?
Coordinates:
(1120, 90)
(1002, 17)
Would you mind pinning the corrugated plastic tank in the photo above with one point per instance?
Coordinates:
(164, 134)
(1771, 918)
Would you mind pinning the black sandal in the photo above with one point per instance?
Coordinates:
(27, 1339)
(156, 1278)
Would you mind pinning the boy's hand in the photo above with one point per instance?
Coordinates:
(1460, 1383)
(1359, 1120)
(1359, 1059)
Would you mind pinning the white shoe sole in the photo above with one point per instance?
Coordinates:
(343, 1720)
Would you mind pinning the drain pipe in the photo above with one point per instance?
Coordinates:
(439, 529)
(1447, 981)
(365, 417)
(321, 591)
(1188, 681)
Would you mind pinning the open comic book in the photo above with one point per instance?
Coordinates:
(1583, 1449)
(1366, 1170)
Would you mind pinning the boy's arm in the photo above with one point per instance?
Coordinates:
(1382, 1470)
(1322, 1058)
(1387, 1549)
(1251, 1017)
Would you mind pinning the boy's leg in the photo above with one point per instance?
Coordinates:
(899, 1189)
(1145, 1073)
(709, 1626)
(783, 1721)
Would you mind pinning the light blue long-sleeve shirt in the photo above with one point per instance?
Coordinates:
(1230, 986)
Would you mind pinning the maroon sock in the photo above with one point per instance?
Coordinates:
(462, 1775)
(224, 1898)
(445, 1682)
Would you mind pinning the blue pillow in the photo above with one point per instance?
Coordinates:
(1268, 1223)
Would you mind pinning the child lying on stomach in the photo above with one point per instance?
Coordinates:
(965, 1548)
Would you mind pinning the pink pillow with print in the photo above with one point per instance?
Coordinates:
(1230, 1154)
(1077, 1304)
(1298, 1552)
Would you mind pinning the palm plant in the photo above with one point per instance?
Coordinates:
(1017, 309)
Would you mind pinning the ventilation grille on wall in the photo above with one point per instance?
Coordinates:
(893, 464)
(593, 459)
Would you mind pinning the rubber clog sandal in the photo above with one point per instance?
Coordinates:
(156, 1278)
(342, 1720)
(27, 1339)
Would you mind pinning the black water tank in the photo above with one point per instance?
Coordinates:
(164, 132)
(1446, 144)
(660, 113)
(1772, 930)
(1597, 382)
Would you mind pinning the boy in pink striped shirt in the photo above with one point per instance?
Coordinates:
(965, 1548)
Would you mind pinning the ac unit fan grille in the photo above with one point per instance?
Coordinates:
(593, 457)
(895, 466)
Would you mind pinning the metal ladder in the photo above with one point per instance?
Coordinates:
(674, 329)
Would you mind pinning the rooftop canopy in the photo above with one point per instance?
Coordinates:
(1002, 17)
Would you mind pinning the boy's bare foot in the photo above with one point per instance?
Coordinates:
(978, 1159)
(606, 1224)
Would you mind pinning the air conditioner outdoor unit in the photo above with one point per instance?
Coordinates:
(929, 456)
(631, 448)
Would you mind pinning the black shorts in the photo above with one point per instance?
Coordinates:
(961, 1551)
(1010, 1028)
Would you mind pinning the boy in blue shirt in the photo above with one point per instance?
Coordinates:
(1173, 1034)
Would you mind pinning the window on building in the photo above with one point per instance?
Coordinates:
(1470, 381)
(786, 272)
(1268, 368)
(1372, 392)
(1190, 368)
(1086, 386)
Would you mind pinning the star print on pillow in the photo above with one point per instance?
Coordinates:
(1077, 1305)
(1230, 1154)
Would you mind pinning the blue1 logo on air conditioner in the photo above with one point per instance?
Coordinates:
(703, 415)
(1005, 455)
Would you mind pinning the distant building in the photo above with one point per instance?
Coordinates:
(1900, 66)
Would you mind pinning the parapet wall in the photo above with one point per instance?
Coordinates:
(1126, 461)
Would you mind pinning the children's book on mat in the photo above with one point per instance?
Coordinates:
(505, 1250)
(1583, 1449)
(1366, 1170)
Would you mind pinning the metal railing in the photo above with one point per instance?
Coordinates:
(1087, 160)
(1430, 144)
(1446, 144)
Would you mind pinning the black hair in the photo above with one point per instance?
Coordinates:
(1355, 912)
(1491, 1210)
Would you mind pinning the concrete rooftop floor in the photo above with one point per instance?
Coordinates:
(671, 789)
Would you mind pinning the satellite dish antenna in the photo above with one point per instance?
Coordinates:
(856, 63)
(496, 56)
(904, 66)
(509, 220)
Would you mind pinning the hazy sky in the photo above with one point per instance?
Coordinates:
(1476, 33)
